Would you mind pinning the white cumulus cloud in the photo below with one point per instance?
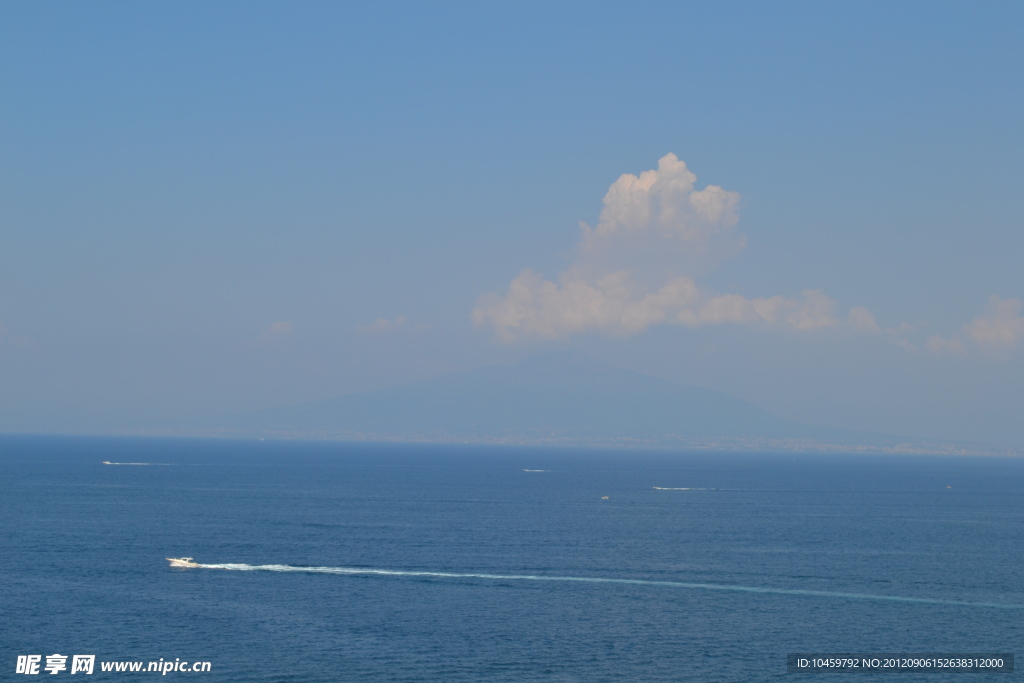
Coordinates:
(612, 302)
(637, 267)
(862, 320)
(1000, 326)
(664, 201)
(998, 329)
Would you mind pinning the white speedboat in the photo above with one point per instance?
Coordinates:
(182, 562)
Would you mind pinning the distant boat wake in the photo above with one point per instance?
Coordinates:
(694, 488)
(360, 571)
(667, 488)
(160, 464)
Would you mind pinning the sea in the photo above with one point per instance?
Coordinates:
(327, 561)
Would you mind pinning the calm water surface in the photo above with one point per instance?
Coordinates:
(84, 543)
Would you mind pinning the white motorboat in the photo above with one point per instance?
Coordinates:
(182, 562)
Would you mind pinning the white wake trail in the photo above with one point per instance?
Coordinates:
(361, 571)
(155, 464)
(667, 488)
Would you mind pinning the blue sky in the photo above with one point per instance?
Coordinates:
(209, 208)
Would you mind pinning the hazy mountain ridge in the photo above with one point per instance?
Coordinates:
(561, 399)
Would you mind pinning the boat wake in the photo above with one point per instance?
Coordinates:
(694, 488)
(362, 571)
(666, 488)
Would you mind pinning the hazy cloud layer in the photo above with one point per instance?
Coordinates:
(616, 305)
(275, 333)
(278, 329)
(997, 330)
(639, 265)
(382, 325)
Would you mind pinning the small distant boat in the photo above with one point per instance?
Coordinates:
(182, 562)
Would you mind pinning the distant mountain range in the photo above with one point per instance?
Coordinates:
(558, 398)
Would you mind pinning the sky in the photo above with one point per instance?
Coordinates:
(210, 208)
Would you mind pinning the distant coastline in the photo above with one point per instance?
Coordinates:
(893, 446)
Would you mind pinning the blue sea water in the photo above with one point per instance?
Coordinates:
(476, 570)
